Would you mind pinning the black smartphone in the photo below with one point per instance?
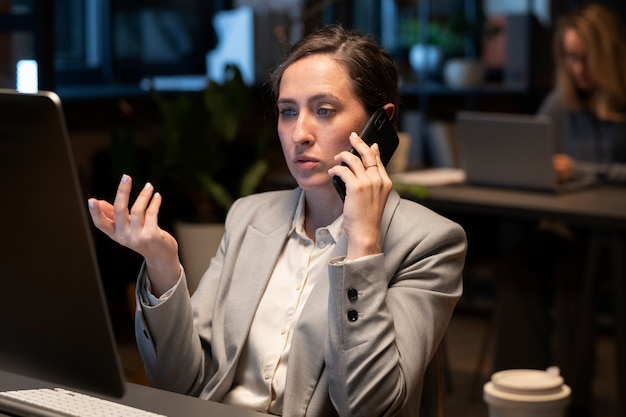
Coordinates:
(378, 129)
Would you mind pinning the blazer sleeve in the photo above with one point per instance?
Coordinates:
(389, 312)
(160, 331)
(175, 349)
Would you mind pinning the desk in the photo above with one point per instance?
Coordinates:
(601, 210)
(146, 398)
(597, 207)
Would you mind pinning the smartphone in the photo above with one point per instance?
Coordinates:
(378, 129)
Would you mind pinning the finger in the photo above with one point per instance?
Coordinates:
(374, 163)
(120, 204)
(138, 209)
(381, 180)
(367, 158)
(152, 212)
(370, 155)
(376, 170)
(98, 212)
(380, 166)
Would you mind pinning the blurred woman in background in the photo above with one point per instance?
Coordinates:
(588, 105)
(539, 295)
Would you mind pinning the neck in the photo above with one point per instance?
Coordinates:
(321, 209)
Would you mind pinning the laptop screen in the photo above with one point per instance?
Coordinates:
(507, 150)
(54, 323)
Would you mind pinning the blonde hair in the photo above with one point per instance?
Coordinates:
(605, 39)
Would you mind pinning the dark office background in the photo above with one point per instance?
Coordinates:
(125, 33)
(95, 52)
(83, 44)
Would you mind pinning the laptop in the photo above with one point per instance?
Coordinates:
(54, 322)
(508, 151)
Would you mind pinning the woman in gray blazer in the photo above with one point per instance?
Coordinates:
(312, 306)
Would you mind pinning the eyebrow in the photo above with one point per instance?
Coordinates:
(313, 98)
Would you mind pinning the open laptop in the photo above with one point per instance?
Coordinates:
(509, 151)
(54, 323)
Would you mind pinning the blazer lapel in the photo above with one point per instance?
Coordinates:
(262, 246)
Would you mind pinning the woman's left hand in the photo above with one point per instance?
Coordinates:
(367, 188)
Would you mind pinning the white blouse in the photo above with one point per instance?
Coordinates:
(262, 370)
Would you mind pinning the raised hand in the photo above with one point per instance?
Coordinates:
(368, 186)
(138, 230)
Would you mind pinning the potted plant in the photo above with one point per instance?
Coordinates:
(205, 156)
(205, 159)
(428, 49)
(431, 43)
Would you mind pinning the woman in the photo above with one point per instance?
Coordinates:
(538, 299)
(311, 307)
(588, 104)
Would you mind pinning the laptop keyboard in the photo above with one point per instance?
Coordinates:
(62, 402)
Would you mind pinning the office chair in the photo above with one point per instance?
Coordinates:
(435, 385)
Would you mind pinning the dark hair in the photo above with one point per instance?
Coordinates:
(373, 73)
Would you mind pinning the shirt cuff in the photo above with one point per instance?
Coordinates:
(146, 291)
(341, 260)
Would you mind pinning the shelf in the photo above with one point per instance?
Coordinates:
(10, 22)
(437, 88)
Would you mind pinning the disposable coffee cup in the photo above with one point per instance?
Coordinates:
(527, 392)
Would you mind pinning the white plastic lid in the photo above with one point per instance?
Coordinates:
(527, 381)
(527, 385)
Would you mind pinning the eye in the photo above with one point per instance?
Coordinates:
(324, 111)
(288, 112)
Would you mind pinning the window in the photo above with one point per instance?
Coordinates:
(17, 44)
(105, 48)
(121, 42)
(81, 41)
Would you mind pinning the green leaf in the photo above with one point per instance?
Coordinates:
(216, 191)
(251, 180)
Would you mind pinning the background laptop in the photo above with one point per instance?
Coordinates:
(507, 150)
(54, 323)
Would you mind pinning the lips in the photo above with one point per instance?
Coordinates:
(306, 162)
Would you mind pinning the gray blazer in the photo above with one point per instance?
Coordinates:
(369, 367)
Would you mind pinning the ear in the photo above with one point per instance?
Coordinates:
(390, 109)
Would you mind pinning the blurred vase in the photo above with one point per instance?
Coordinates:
(463, 73)
(425, 60)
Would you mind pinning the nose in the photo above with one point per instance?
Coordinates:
(303, 131)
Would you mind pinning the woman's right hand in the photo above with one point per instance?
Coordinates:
(138, 230)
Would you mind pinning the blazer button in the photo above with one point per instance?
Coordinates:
(353, 294)
(353, 315)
